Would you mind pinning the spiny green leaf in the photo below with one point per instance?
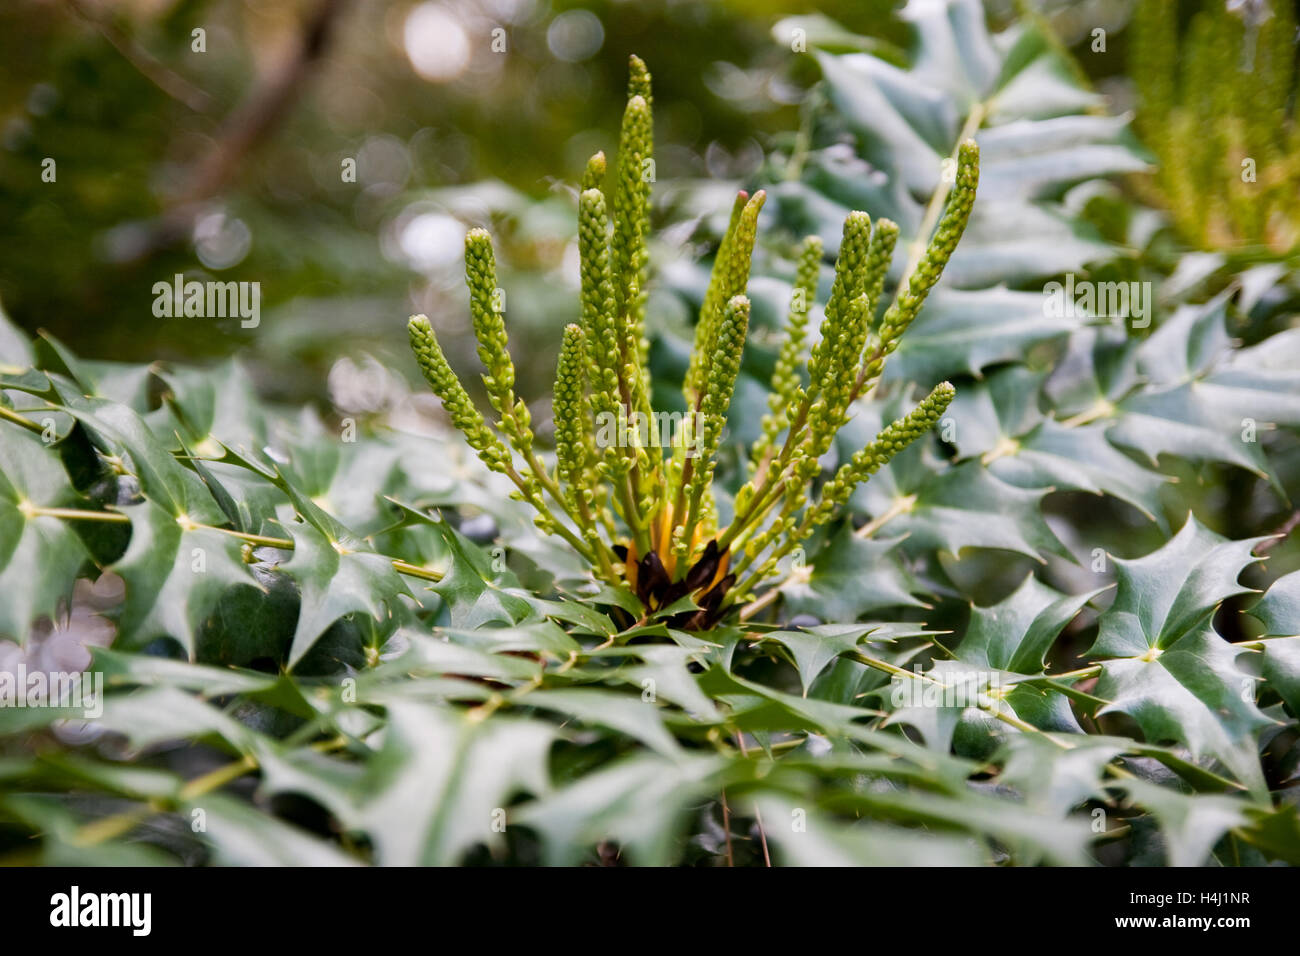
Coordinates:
(334, 580)
(1168, 593)
(1016, 634)
(176, 572)
(848, 577)
(1191, 824)
(804, 839)
(641, 802)
(39, 555)
(435, 787)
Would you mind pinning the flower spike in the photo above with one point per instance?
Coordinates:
(646, 519)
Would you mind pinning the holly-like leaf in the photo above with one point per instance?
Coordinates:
(813, 649)
(1182, 391)
(470, 587)
(176, 572)
(963, 331)
(1016, 94)
(40, 555)
(641, 802)
(211, 407)
(1169, 593)
(335, 580)
(849, 577)
(242, 836)
(811, 839)
(939, 506)
(1054, 779)
(1016, 634)
(438, 785)
(637, 717)
(1165, 665)
(999, 421)
(961, 507)
(1279, 611)
(1191, 824)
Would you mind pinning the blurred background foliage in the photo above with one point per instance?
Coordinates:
(227, 162)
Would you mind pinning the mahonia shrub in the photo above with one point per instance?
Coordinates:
(334, 639)
(636, 499)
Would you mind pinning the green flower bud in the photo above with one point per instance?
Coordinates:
(723, 371)
(841, 347)
(571, 446)
(630, 261)
(733, 279)
(742, 250)
(490, 331)
(594, 174)
(714, 300)
(638, 79)
(459, 407)
(598, 328)
(879, 256)
(850, 281)
(489, 325)
(716, 398)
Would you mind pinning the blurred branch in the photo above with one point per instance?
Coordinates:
(246, 127)
(1280, 535)
(153, 69)
(264, 107)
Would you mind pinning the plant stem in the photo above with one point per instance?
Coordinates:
(9, 414)
(75, 514)
(900, 506)
(282, 544)
(538, 502)
(758, 814)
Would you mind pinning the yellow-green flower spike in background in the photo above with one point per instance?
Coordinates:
(651, 523)
(786, 385)
(729, 278)
(1216, 97)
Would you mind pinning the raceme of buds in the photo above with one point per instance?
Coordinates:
(867, 461)
(567, 408)
(493, 346)
(446, 386)
(729, 278)
(785, 376)
(640, 506)
(598, 306)
(940, 249)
